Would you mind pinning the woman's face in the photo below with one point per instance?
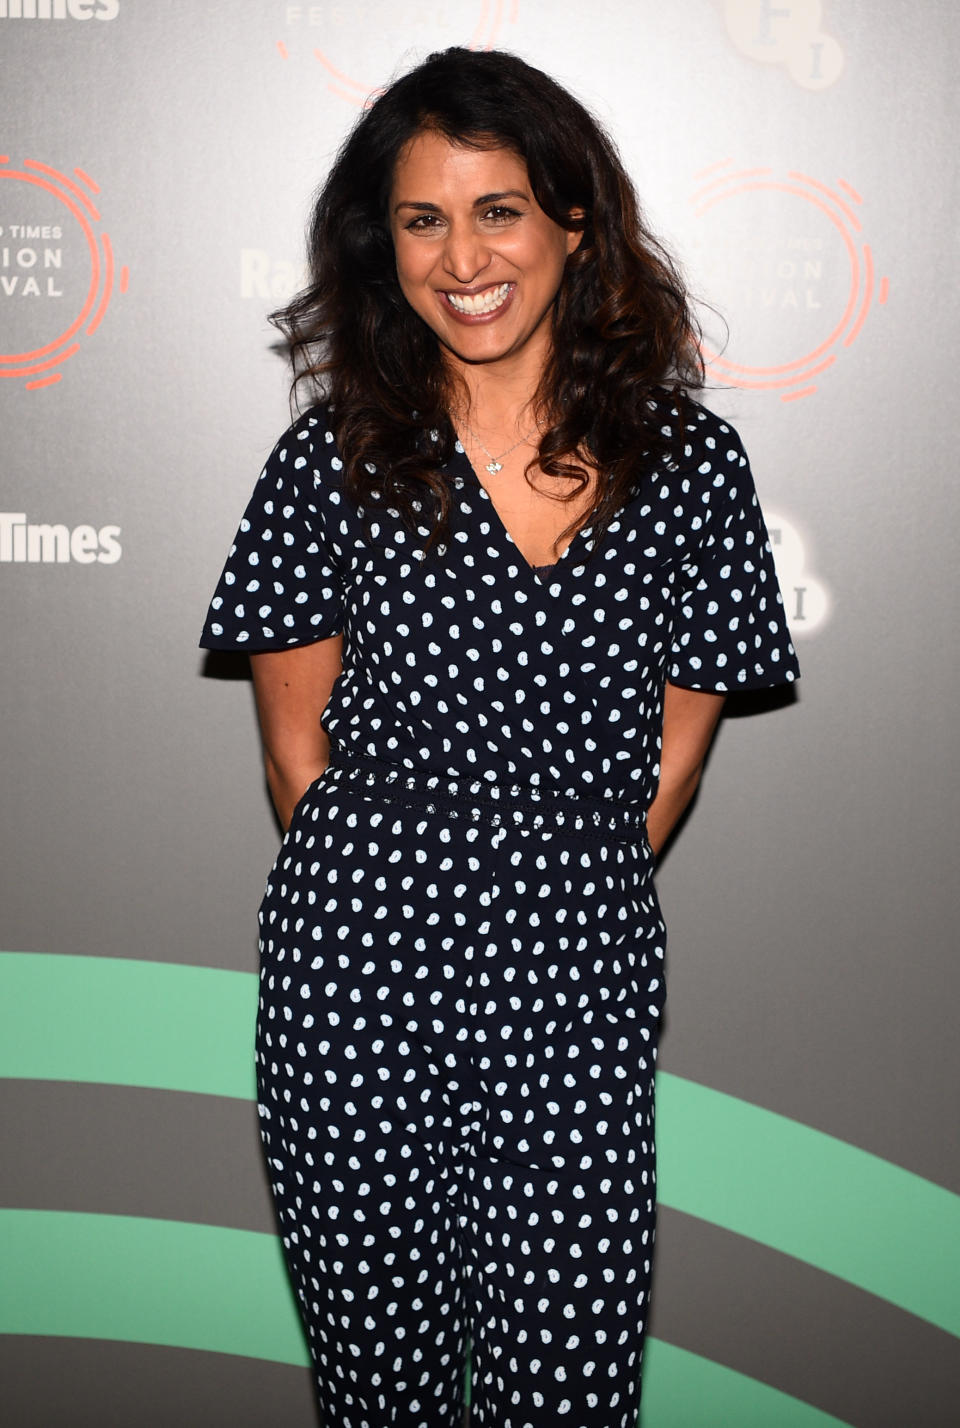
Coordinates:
(477, 257)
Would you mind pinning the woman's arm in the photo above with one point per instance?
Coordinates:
(689, 720)
(292, 688)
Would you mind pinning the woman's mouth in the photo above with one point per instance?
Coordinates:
(482, 304)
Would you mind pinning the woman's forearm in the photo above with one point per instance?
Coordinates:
(292, 688)
(288, 782)
(667, 808)
(689, 720)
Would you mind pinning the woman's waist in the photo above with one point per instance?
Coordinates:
(491, 799)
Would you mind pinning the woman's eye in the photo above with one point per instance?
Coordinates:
(500, 214)
(422, 222)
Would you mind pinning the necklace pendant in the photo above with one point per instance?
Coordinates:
(493, 467)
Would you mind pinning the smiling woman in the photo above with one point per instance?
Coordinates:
(477, 257)
(481, 263)
(495, 584)
(616, 330)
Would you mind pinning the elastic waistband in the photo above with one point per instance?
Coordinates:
(500, 805)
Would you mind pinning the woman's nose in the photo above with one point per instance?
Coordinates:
(465, 254)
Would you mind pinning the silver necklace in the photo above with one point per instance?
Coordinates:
(495, 464)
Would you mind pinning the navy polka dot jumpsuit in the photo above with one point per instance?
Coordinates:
(461, 946)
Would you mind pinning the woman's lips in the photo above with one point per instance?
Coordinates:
(483, 306)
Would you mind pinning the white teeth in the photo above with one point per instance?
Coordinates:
(474, 303)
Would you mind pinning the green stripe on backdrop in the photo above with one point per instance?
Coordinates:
(809, 1195)
(127, 1023)
(734, 1164)
(683, 1390)
(204, 1287)
(147, 1281)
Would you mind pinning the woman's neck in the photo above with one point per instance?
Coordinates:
(497, 399)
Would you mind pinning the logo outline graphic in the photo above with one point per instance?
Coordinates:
(719, 183)
(789, 35)
(486, 28)
(807, 598)
(77, 195)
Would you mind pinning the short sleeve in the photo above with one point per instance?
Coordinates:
(730, 630)
(282, 584)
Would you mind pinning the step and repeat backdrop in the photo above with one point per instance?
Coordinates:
(156, 166)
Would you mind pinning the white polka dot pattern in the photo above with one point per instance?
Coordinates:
(456, 1052)
(461, 946)
(474, 662)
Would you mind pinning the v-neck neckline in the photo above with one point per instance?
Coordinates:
(542, 573)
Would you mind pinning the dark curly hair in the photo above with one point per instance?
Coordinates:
(622, 333)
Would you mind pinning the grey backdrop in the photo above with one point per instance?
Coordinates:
(799, 157)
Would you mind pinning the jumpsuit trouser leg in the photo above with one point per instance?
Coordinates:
(456, 1048)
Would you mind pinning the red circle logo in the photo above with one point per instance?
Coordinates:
(784, 254)
(57, 268)
(488, 18)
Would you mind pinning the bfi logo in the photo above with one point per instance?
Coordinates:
(23, 543)
(790, 34)
(805, 597)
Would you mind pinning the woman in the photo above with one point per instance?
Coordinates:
(515, 568)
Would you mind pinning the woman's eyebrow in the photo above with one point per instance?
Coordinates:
(496, 197)
(415, 203)
(484, 198)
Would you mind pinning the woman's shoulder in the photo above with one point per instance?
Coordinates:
(310, 431)
(697, 435)
(306, 454)
(702, 473)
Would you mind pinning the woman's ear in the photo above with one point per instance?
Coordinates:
(575, 235)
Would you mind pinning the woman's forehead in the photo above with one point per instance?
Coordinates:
(433, 158)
